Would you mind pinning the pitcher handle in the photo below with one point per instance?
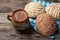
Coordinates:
(9, 17)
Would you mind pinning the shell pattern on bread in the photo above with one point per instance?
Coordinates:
(34, 9)
(54, 10)
(46, 24)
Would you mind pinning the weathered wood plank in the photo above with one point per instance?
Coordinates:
(7, 31)
(3, 18)
(11, 5)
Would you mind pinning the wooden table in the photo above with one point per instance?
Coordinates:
(7, 31)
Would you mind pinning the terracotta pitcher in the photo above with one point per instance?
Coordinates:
(19, 19)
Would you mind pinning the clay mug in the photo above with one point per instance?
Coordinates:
(19, 19)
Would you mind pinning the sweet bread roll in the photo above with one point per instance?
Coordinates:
(54, 10)
(45, 24)
(34, 9)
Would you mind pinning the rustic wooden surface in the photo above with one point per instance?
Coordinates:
(11, 5)
(7, 31)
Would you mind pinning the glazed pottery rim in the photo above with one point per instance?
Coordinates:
(17, 11)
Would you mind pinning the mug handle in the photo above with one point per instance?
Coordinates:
(9, 17)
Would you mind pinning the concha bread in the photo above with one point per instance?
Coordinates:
(54, 10)
(46, 24)
(34, 9)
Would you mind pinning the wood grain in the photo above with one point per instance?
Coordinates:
(7, 31)
(11, 5)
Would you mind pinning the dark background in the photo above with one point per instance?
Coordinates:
(53, 0)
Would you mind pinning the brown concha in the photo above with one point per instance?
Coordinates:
(45, 24)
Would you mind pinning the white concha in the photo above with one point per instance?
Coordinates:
(34, 9)
(54, 10)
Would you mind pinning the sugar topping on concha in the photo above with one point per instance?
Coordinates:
(34, 9)
(46, 24)
(54, 10)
